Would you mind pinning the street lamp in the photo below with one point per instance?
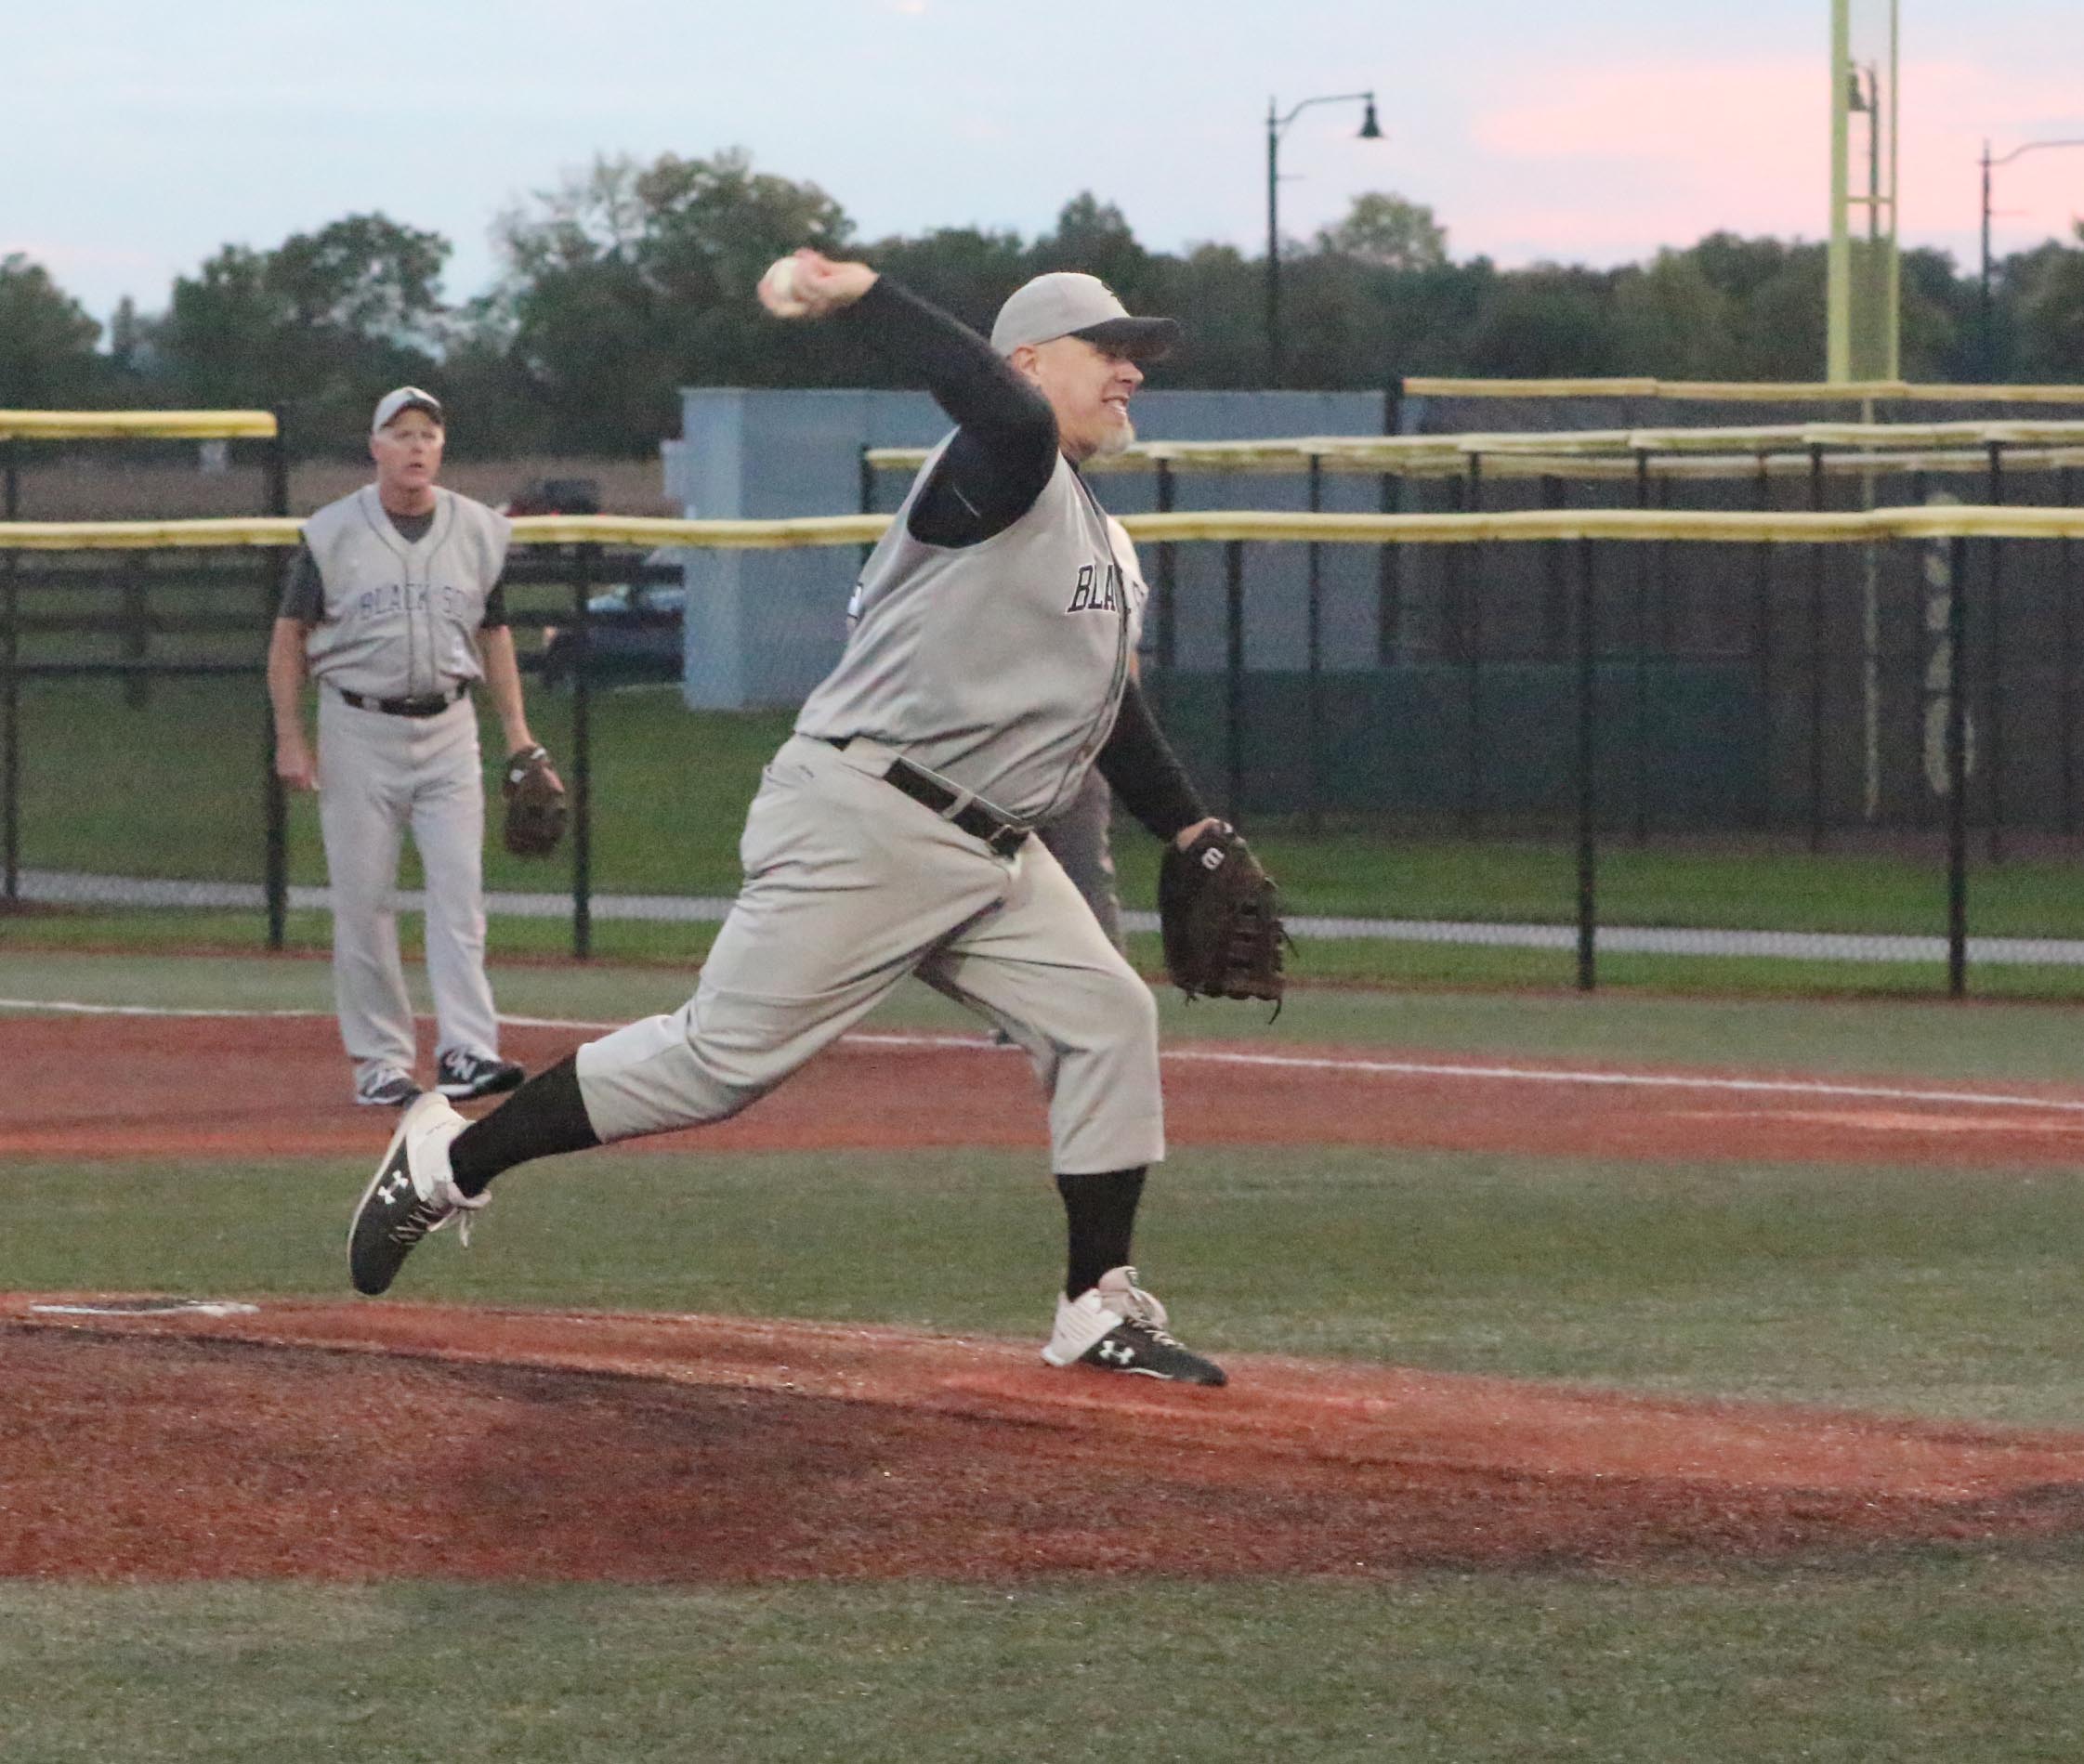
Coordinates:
(1988, 323)
(1276, 125)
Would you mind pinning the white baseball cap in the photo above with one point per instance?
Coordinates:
(1067, 304)
(393, 404)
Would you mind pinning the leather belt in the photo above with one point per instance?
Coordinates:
(429, 704)
(1002, 836)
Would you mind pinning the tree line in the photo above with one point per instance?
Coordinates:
(633, 279)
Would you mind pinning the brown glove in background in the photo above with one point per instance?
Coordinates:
(536, 809)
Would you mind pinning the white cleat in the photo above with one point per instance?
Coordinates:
(1116, 1326)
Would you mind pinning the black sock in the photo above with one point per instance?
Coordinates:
(544, 1117)
(1100, 1210)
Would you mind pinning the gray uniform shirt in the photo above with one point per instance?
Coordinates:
(397, 617)
(998, 665)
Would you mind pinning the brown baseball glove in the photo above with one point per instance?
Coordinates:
(536, 810)
(1219, 914)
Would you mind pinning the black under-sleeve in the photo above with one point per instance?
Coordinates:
(303, 593)
(1139, 763)
(1006, 444)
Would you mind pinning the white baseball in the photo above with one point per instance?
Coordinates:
(778, 287)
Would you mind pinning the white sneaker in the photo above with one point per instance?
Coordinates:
(1116, 1326)
(411, 1194)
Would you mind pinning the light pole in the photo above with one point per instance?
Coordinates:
(1277, 125)
(1987, 318)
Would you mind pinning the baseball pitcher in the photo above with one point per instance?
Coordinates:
(985, 674)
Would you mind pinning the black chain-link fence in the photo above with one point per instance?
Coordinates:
(1570, 751)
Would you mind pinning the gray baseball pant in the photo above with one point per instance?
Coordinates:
(1079, 839)
(379, 776)
(850, 887)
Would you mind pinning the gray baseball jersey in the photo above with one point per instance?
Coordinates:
(401, 617)
(1000, 666)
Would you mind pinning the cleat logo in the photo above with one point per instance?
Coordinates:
(1118, 1353)
(393, 1186)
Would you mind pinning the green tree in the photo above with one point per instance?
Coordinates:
(130, 339)
(1387, 232)
(319, 326)
(2043, 301)
(1095, 237)
(1671, 320)
(46, 339)
(965, 270)
(1552, 320)
(633, 279)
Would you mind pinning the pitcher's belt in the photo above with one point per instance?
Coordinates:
(429, 704)
(979, 822)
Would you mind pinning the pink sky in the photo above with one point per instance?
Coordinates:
(1689, 147)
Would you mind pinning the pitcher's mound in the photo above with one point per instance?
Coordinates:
(243, 1438)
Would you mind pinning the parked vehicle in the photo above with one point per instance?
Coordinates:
(555, 496)
(635, 636)
(635, 627)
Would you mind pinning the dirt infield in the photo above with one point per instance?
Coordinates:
(366, 1440)
(175, 1101)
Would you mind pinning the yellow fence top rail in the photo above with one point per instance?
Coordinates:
(1754, 391)
(1939, 521)
(1443, 456)
(280, 531)
(114, 425)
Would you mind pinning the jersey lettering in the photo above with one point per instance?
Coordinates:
(1096, 593)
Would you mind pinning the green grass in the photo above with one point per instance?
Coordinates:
(1911, 1290)
(1314, 962)
(178, 786)
(1904, 1289)
(1934, 1658)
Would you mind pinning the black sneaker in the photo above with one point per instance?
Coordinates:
(384, 1087)
(411, 1194)
(1116, 1326)
(460, 1075)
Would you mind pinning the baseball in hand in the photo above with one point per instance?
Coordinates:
(778, 290)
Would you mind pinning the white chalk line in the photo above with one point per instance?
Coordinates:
(1347, 1063)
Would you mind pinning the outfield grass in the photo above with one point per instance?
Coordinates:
(1902, 1288)
(178, 792)
(1934, 1658)
(1912, 1289)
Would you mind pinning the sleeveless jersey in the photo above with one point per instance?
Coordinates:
(998, 665)
(400, 619)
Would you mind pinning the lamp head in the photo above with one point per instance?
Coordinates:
(1369, 129)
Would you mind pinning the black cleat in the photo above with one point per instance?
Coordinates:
(411, 1194)
(1116, 1326)
(384, 1087)
(460, 1075)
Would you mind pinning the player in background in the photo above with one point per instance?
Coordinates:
(393, 605)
